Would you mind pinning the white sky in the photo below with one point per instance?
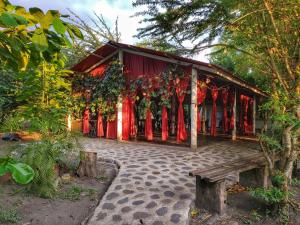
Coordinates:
(110, 9)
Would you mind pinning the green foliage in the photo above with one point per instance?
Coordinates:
(295, 182)
(27, 37)
(43, 156)
(20, 172)
(105, 90)
(8, 216)
(271, 195)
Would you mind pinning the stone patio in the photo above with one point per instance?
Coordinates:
(153, 184)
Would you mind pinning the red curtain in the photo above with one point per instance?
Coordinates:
(132, 117)
(148, 125)
(86, 124)
(164, 119)
(126, 118)
(244, 113)
(99, 71)
(201, 95)
(111, 127)
(225, 118)
(250, 116)
(214, 94)
(111, 130)
(136, 66)
(180, 91)
(100, 132)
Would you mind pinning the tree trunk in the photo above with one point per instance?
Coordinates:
(87, 166)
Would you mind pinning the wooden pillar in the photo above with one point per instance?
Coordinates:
(120, 106)
(173, 113)
(69, 122)
(204, 112)
(194, 109)
(254, 115)
(234, 117)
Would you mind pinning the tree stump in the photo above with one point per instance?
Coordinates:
(87, 166)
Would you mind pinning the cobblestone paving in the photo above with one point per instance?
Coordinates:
(153, 184)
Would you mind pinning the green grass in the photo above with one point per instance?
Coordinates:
(295, 182)
(9, 216)
(101, 178)
(74, 193)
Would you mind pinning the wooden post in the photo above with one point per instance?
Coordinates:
(194, 109)
(69, 122)
(234, 117)
(254, 115)
(173, 112)
(120, 106)
(204, 112)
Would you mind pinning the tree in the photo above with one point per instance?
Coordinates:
(32, 59)
(96, 31)
(266, 30)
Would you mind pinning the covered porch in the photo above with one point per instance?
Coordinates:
(171, 99)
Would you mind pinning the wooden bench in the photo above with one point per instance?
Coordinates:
(211, 186)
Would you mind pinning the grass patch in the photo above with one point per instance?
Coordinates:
(9, 216)
(101, 178)
(74, 193)
(295, 182)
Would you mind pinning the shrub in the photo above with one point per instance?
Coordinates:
(271, 195)
(9, 216)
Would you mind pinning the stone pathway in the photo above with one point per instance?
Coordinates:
(153, 184)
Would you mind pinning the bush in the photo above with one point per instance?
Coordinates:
(271, 195)
(43, 156)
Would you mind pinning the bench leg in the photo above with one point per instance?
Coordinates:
(258, 177)
(211, 196)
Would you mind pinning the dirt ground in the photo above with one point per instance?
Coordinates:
(73, 204)
(243, 209)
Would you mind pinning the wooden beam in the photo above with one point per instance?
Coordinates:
(101, 61)
(234, 117)
(231, 79)
(194, 109)
(161, 58)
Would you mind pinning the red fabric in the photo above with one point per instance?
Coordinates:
(201, 95)
(136, 66)
(99, 71)
(225, 118)
(164, 119)
(250, 116)
(126, 118)
(231, 101)
(214, 94)
(148, 126)
(86, 124)
(100, 132)
(111, 127)
(244, 113)
(111, 131)
(132, 117)
(180, 91)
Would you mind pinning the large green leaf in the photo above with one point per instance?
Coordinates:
(8, 20)
(21, 173)
(58, 26)
(39, 40)
(3, 169)
(37, 13)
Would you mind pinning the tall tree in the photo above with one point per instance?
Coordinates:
(266, 30)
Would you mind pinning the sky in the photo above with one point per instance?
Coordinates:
(110, 9)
